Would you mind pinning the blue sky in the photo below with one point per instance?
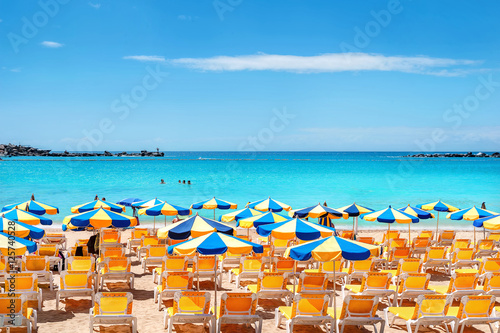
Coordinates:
(251, 75)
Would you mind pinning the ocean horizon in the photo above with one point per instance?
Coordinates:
(298, 178)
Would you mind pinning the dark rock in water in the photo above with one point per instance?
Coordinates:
(11, 150)
(469, 154)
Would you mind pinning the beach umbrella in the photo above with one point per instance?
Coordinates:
(215, 244)
(261, 219)
(194, 226)
(417, 212)
(295, 228)
(128, 201)
(33, 206)
(269, 205)
(214, 204)
(239, 214)
(165, 209)
(331, 249)
(391, 215)
(97, 204)
(491, 222)
(20, 229)
(318, 211)
(354, 210)
(438, 206)
(99, 218)
(147, 203)
(12, 245)
(470, 214)
(26, 217)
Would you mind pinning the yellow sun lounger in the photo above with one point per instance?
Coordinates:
(189, 307)
(39, 265)
(327, 268)
(407, 265)
(358, 310)
(474, 310)
(205, 267)
(14, 312)
(80, 264)
(412, 285)
(374, 284)
(24, 284)
(306, 309)
(51, 251)
(134, 240)
(118, 268)
(171, 264)
(171, 282)
(112, 309)
(429, 310)
(75, 283)
(271, 285)
(238, 308)
(419, 246)
(357, 269)
(435, 258)
(250, 268)
(464, 258)
(461, 284)
(312, 283)
(154, 257)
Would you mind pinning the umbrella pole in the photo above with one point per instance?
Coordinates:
(409, 232)
(215, 289)
(334, 299)
(353, 219)
(474, 235)
(214, 213)
(198, 271)
(437, 227)
(154, 223)
(294, 272)
(165, 220)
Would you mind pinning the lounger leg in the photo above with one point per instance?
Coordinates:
(219, 325)
(277, 318)
(289, 326)
(134, 325)
(159, 301)
(165, 319)
(170, 324)
(260, 326)
(408, 327)
(57, 301)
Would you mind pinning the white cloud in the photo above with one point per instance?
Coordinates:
(53, 45)
(146, 58)
(328, 63)
(95, 5)
(15, 70)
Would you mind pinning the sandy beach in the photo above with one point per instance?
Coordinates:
(73, 315)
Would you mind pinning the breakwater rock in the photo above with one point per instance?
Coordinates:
(11, 150)
(469, 154)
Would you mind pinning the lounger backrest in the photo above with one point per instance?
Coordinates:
(490, 265)
(476, 306)
(110, 236)
(117, 265)
(156, 251)
(310, 305)
(435, 252)
(137, 233)
(366, 240)
(432, 305)
(361, 266)
(113, 303)
(238, 304)
(421, 242)
(346, 234)
(461, 243)
(149, 240)
(115, 251)
(446, 235)
(174, 263)
(327, 266)
(463, 254)
(177, 280)
(359, 306)
(414, 281)
(251, 264)
(204, 264)
(409, 265)
(312, 282)
(75, 280)
(463, 281)
(21, 282)
(271, 281)
(47, 250)
(494, 236)
(81, 263)
(192, 302)
(485, 244)
(491, 282)
(376, 280)
(398, 242)
(399, 253)
(284, 265)
(13, 304)
(390, 235)
(36, 263)
(426, 234)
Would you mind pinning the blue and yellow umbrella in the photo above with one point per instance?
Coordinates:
(147, 203)
(438, 206)
(470, 214)
(332, 249)
(128, 201)
(97, 204)
(295, 228)
(214, 204)
(34, 207)
(194, 226)
(417, 212)
(239, 214)
(11, 245)
(262, 219)
(165, 209)
(269, 205)
(99, 218)
(354, 211)
(491, 222)
(20, 229)
(318, 211)
(391, 215)
(26, 217)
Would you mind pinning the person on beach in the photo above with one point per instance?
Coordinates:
(96, 197)
(162, 181)
(103, 199)
(189, 182)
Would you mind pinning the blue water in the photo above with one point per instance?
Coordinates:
(300, 179)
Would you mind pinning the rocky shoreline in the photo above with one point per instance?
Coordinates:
(469, 154)
(10, 150)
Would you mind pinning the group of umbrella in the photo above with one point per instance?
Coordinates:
(210, 237)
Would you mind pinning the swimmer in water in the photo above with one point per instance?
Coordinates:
(189, 182)
(162, 181)
(184, 182)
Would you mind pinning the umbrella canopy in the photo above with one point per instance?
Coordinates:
(33, 206)
(194, 226)
(295, 228)
(269, 205)
(165, 209)
(390, 215)
(97, 204)
(438, 206)
(239, 214)
(214, 203)
(491, 222)
(20, 229)
(11, 245)
(470, 214)
(213, 244)
(318, 211)
(147, 203)
(355, 210)
(128, 201)
(99, 218)
(26, 217)
(262, 219)
(417, 212)
(332, 248)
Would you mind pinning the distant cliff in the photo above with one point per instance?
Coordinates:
(11, 150)
(454, 155)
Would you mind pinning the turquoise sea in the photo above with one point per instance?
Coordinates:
(300, 179)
